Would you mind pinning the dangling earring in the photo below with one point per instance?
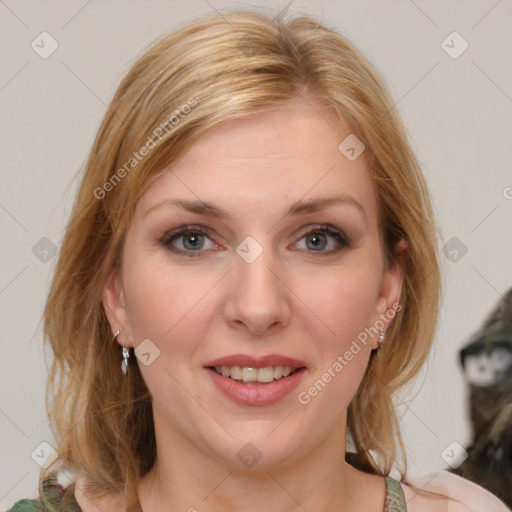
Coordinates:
(382, 335)
(126, 355)
(124, 363)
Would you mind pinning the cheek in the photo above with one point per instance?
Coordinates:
(343, 298)
(342, 347)
(166, 305)
(160, 299)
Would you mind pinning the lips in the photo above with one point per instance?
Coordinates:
(256, 393)
(256, 362)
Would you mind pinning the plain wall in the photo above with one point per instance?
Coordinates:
(457, 112)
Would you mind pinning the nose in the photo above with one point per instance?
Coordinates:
(259, 295)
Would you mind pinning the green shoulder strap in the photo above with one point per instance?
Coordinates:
(52, 498)
(395, 499)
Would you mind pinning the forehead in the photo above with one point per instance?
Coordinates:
(267, 160)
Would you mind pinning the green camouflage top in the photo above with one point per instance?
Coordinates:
(54, 498)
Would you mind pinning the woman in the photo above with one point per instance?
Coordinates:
(248, 276)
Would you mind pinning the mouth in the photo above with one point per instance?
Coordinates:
(253, 375)
(249, 380)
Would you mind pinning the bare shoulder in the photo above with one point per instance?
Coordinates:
(422, 501)
(447, 492)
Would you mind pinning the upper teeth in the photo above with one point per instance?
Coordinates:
(250, 374)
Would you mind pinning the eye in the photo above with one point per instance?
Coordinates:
(317, 239)
(188, 240)
(192, 241)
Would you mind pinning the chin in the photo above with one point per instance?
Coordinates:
(251, 448)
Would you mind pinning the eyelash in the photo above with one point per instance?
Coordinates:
(326, 229)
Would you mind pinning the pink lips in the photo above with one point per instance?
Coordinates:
(256, 394)
(256, 362)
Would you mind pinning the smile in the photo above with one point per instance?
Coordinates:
(248, 374)
(255, 379)
(255, 392)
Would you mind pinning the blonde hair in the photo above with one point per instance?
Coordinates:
(224, 67)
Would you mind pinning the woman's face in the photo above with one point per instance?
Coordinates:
(260, 281)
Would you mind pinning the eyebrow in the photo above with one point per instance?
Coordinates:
(298, 208)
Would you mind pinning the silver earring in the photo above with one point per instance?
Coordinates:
(126, 355)
(382, 335)
(124, 364)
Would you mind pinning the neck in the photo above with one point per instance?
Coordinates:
(186, 478)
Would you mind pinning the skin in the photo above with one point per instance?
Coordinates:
(292, 300)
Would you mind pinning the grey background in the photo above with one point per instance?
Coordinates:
(458, 115)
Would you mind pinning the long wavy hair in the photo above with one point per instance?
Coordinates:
(224, 67)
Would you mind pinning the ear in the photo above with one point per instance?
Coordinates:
(388, 301)
(115, 308)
